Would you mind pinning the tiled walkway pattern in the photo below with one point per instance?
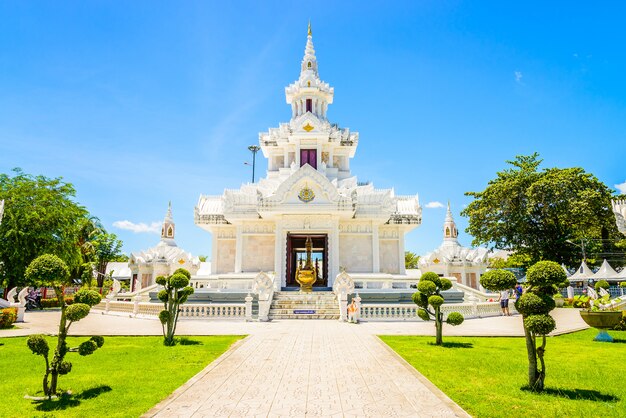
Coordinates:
(324, 369)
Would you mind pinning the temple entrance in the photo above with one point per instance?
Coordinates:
(296, 253)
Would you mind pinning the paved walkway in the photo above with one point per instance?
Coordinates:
(321, 369)
(301, 367)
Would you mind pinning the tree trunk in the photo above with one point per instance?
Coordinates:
(61, 349)
(438, 326)
(533, 373)
(102, 268)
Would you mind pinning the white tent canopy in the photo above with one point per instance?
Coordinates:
(583, 273)
(606, 272)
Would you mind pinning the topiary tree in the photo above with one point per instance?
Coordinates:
(50, 271)
(429, 294)
(497, 280)
(602, 284)
(535, 305)
(176, 291)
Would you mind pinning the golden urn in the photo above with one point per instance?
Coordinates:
(307, 275)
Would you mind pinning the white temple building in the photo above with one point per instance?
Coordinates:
(309, 191)
(162, 259)
(452, 259)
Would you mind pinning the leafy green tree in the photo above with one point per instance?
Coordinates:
(176, 291)
(202, 258)
(106, 248)
(538, 213)
(543, 280)
(410, 260)
(428, 296)
(50, 271)
(40, 216)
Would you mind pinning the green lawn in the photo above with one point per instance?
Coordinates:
(486, 376)
(124, 378)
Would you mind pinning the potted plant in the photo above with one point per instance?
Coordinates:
(602, 316)
(558, 300)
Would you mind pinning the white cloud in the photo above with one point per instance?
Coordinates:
(434, 205)
(621, 187)
(153, 228)
(518, 76)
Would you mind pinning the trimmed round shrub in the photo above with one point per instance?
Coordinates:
(87, 347)
(455, 318)
(496, 280)
(532, 304)
(183, 272)
(622, 284)
(163, 295)
(445, 283)
(88, 297)
(602, 284)
(423, 314)
(540, 324)
(48, 270)
(179, 280)
(420, 299)
(185, 293)
(435, 301)
(431, 277)
(38, 344)
(65, 367)
(99, 340)
(77, 311)
(161, 280)
(544, 274)
(427, 287)
(164, 316)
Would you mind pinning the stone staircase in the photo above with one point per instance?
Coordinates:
(296, 305)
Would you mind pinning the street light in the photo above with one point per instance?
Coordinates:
(254, 149)
(581, 246)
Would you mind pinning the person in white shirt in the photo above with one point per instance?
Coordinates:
(504, 302)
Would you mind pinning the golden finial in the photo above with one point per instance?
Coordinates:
(310, 33)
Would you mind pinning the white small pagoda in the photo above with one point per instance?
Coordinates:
(309, 191)
(162, 259)
(452, 259)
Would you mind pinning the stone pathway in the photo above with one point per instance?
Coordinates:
(319, 369)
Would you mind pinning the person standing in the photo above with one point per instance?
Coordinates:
(504, 302)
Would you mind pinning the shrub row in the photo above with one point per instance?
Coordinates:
(7, 317)
(54, 302)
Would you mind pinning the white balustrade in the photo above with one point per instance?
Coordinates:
(404, 312)
(187, 310)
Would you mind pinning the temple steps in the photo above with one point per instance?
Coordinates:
(296, 305)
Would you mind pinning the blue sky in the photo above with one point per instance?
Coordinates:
(138, 103)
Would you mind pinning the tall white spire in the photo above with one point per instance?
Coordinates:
(168, 231)
(309, 61)
(450, 233)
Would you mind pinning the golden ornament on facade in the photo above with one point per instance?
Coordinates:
(306, 195)
(308, 127)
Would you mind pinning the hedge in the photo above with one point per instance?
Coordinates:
(54, 302)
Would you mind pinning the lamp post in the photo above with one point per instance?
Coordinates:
(581, 246)
(254, 149)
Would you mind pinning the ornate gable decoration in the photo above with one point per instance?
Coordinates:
(306, 194)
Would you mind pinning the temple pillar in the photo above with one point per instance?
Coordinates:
(401, 268)
(238, 248)
(375, 249)
(214, 260)
(279, 255)
(333, 256)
